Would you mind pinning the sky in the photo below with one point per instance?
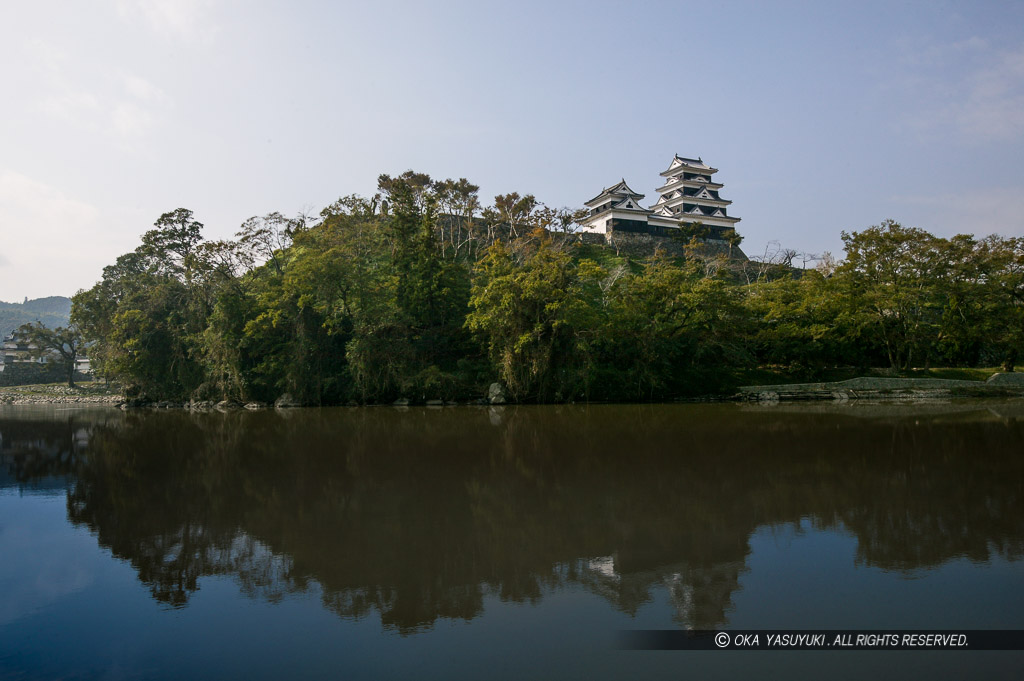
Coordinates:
(820, 116)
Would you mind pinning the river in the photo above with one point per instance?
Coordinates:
(504, 542)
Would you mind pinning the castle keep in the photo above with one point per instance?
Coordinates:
(689, 195)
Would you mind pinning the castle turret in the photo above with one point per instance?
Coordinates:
(615, 206)
(691, 195)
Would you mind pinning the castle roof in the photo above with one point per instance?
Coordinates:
(618, 191)
(696, 164)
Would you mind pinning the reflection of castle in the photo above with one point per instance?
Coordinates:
(700, 595)
(353, 504)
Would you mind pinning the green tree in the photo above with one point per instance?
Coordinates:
(692, 231)
(62, 344)
(671, 330)
(515, 212)
(889, 285)
(800, 322)
(170, 247)
(733, 238)
(458, 202)
(538, 320)
(1002, 318)
(146, 316)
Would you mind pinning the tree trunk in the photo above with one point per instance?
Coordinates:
(71, 376)
(1010, 361)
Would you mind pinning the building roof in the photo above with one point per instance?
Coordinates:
(672, 183)
(695, 163)
(620, 188)
(696, 191)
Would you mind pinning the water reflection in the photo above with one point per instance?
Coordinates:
(420, 514)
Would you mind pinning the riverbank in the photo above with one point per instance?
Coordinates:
(60, 393)
(861, 388)
(879, 388)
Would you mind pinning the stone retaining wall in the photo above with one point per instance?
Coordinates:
(641, 245)
(1013, 379)
(885, 388)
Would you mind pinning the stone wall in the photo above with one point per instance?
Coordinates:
(877, 388)
(641, 245)
(31, 373)
(1014, 379)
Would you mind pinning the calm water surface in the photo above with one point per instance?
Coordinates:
(503, 542)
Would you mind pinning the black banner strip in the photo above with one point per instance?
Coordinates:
(820, 639)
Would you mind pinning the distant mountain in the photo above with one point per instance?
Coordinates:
(52, 312)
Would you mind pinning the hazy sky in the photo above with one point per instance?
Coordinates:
(821, 116)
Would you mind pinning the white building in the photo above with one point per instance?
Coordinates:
(689, 195)
(15, 348)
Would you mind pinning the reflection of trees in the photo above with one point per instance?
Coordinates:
(40, 449)
(420, 515)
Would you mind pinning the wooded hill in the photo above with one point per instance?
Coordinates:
(371, 301)
(52, 312)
